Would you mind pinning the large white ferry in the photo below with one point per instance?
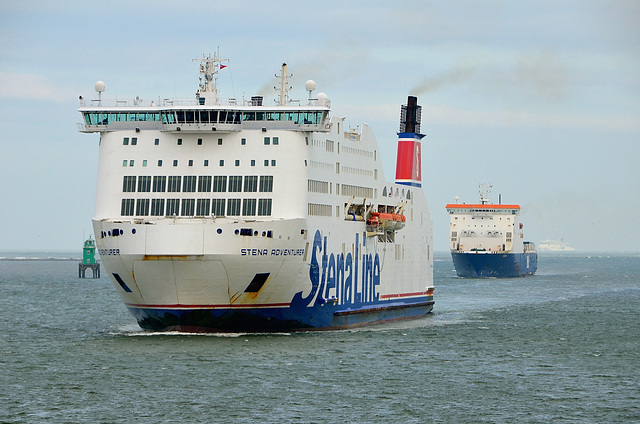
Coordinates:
(234, 215)
(487, 239)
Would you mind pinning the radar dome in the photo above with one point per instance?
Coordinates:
(323, 100)
(100, 86)
(310, 85)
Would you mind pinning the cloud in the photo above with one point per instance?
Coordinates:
(28, 86)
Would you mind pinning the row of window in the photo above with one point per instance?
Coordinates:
(196, 207)
(243, 141)
(131, 162)
(202, 183)
(203, 117)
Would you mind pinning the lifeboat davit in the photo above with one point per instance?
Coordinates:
(386, 221)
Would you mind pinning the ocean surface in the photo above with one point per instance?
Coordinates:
(562, 346)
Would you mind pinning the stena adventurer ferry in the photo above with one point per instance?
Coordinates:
(486, 240)
(216, 216)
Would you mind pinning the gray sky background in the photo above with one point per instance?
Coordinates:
(539, 98)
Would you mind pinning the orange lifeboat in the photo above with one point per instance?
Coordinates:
(386, 221)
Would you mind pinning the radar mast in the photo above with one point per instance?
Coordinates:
(485, 189)
(209, 68)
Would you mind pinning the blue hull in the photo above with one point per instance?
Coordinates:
(496, 265)
(269, 319)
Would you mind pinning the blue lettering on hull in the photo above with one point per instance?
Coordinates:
(344, 292)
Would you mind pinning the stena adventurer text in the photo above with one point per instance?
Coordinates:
(227, 216)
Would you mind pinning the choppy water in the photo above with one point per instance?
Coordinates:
(562, 346)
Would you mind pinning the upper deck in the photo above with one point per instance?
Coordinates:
(205, 112)
(466, 208)
(193, 117)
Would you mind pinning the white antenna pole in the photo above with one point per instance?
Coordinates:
(284, 88)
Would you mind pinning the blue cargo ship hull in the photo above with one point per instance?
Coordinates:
(496, 265)
(321, 317)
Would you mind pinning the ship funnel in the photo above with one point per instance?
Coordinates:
(409, 161)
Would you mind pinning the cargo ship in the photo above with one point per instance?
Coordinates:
(251, 215)
(487, 240)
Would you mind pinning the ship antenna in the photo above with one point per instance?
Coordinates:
(485, 189)
(284, 85)
(209, 68)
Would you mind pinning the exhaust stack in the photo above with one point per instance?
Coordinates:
(409, 160)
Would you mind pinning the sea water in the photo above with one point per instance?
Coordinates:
(562, 346)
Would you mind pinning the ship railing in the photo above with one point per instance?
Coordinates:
(157, 102)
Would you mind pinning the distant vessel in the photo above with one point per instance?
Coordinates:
(555, 246)
(486, 240)
(234, 215)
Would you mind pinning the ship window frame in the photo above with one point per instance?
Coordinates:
(250, 184)
(233, 207)
(174, 183)
(203, 207)
(266, 184)
(144, 184)
(129, 184)
(235, 183)
(173, 207)
(249, 207)
(157, 207)
(187, 207)
(159, 183)
(127, 207)
(218, 205)
(219, 184)
(204, 183)
(142, 207)
(189, 184)
(264, 207)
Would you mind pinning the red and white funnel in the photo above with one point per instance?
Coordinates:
(409, 165)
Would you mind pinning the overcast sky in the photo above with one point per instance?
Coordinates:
(539, 98)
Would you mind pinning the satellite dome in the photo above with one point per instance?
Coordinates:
(310, 85)
(323, 100)
(100, 86)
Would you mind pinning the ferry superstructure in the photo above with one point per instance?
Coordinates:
(217, 216)
(487, 240)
